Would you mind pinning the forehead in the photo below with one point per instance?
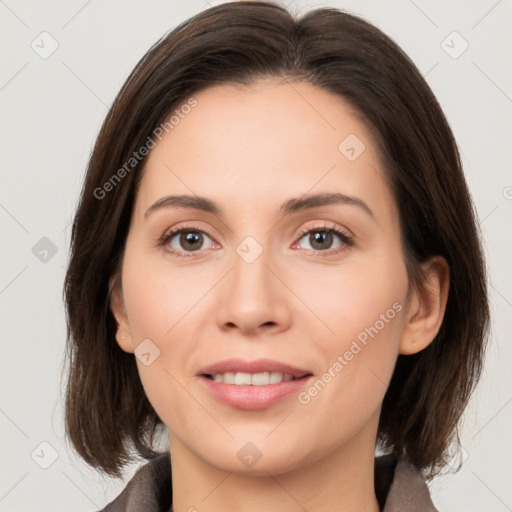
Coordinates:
(256, 145)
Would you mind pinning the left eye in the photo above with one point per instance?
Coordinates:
(322, 239)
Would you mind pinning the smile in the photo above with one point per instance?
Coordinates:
(252, 379)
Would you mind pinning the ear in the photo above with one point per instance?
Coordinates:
(123, 333)
(426, 307)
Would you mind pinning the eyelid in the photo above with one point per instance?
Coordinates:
(327, 227)
(187, 227)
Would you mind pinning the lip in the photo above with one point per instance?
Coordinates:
(256, 366)
(253, 397)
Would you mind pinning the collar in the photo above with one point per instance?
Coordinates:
(399, 486)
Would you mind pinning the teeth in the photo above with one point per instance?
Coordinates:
(260, 379)
(276, 378)
(252, 379)
(243, 379)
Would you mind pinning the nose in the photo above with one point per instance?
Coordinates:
(253, 298)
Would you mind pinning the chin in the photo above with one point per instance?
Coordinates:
(256, 458)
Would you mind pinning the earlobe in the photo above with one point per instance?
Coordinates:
(124, 338)
(427, 307)
(123, 333)
(124, 341)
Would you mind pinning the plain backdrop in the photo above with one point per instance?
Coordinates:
(62, 65)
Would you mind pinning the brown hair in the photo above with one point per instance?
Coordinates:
(106, 411)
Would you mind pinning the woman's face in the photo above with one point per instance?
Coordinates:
(259, 284)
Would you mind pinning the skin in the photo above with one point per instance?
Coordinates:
(249, 150)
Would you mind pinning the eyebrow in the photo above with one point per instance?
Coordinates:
(290, 206)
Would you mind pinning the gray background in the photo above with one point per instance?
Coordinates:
(51, 110)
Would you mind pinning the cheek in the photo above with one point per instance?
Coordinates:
(162, 308)
(166, 306)
(364, 309)
(352, 299)
(159, 301)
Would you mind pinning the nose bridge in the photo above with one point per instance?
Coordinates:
(251, 296)
(251, 275)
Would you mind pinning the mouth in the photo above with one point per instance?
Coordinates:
(252, 384)
(254, 379)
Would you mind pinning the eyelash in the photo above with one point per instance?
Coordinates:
(345, 238)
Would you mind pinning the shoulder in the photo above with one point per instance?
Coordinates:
(401, 486)
(149, 490)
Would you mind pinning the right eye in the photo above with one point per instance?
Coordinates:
(191, 239)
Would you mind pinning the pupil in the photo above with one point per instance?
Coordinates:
(190, 239)
(320, 237)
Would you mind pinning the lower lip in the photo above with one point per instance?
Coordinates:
(253, 397)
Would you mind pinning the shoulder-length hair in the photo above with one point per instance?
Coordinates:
(107, 414)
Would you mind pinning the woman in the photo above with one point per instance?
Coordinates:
(275, 257)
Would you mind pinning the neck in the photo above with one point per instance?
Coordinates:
(343, 480)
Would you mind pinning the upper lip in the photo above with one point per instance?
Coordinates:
(256, 366)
